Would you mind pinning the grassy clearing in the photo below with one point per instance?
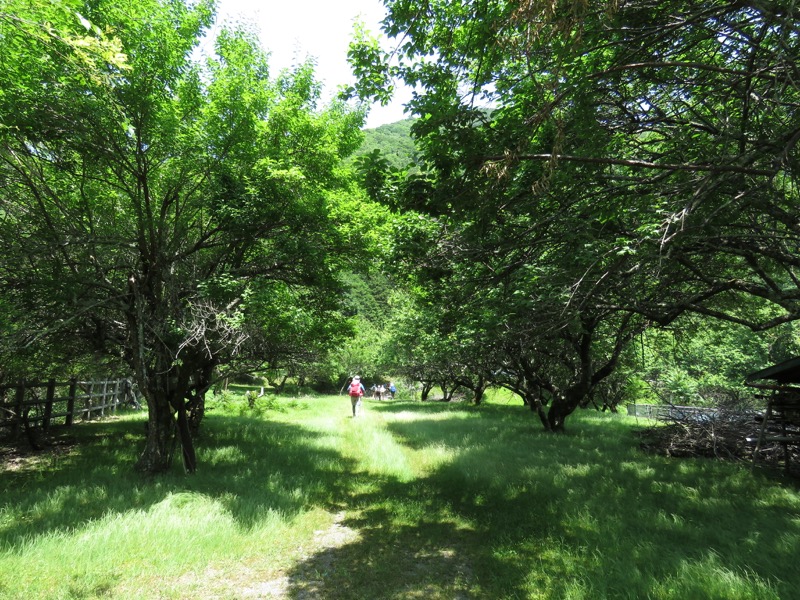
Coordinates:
(410, 501)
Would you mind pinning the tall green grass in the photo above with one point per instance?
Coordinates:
(297, 499)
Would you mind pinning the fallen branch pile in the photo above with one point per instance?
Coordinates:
(724, 434)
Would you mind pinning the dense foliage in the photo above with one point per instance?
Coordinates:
(174, 216)
(592, 170)
(393, 141)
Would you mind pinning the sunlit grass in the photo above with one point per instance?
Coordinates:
(427, 500)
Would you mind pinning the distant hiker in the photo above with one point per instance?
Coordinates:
(356, 391)
(392, 390)
(381, 391)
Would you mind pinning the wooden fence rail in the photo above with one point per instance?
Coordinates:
(42, 404)
(670, 412)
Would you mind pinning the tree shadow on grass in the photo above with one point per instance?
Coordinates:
(585, 514)
(250, 466)
(404, 549)
(431, 406)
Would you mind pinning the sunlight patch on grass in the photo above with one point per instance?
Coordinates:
(578, 470)
(170, 532)
(444, 415)
(582, 522)
(47, 512)
(407, 415)
(638, 469)
(186, 530)
(559, 570)
(779, 498)
(223, 454)
(707, 578)
(377, 452)
(429, 458)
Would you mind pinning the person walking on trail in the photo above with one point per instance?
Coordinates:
(356, 392)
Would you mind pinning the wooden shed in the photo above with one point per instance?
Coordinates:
(780, 386)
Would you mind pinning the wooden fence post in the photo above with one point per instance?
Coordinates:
(48, 405)
(87, 403)
(119, 394)
(104, 398)
(19, 398)
(73, 385)
(3, 410)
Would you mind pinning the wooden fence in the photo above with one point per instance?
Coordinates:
(670, 412)
(42, 404)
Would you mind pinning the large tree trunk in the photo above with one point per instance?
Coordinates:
(426, 389)
(562, 406)
(477, 387)
(160, 442)
(167, 426)
(534, 401)
(185, 437)
(479, 391)
(168, 391)
(174, 389)
(448, 392)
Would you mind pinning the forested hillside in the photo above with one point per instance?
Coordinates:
(394, 142)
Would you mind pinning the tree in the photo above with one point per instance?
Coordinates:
(608, 165)
(170, 214)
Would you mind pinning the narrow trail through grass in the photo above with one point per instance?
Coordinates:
(296, 499)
